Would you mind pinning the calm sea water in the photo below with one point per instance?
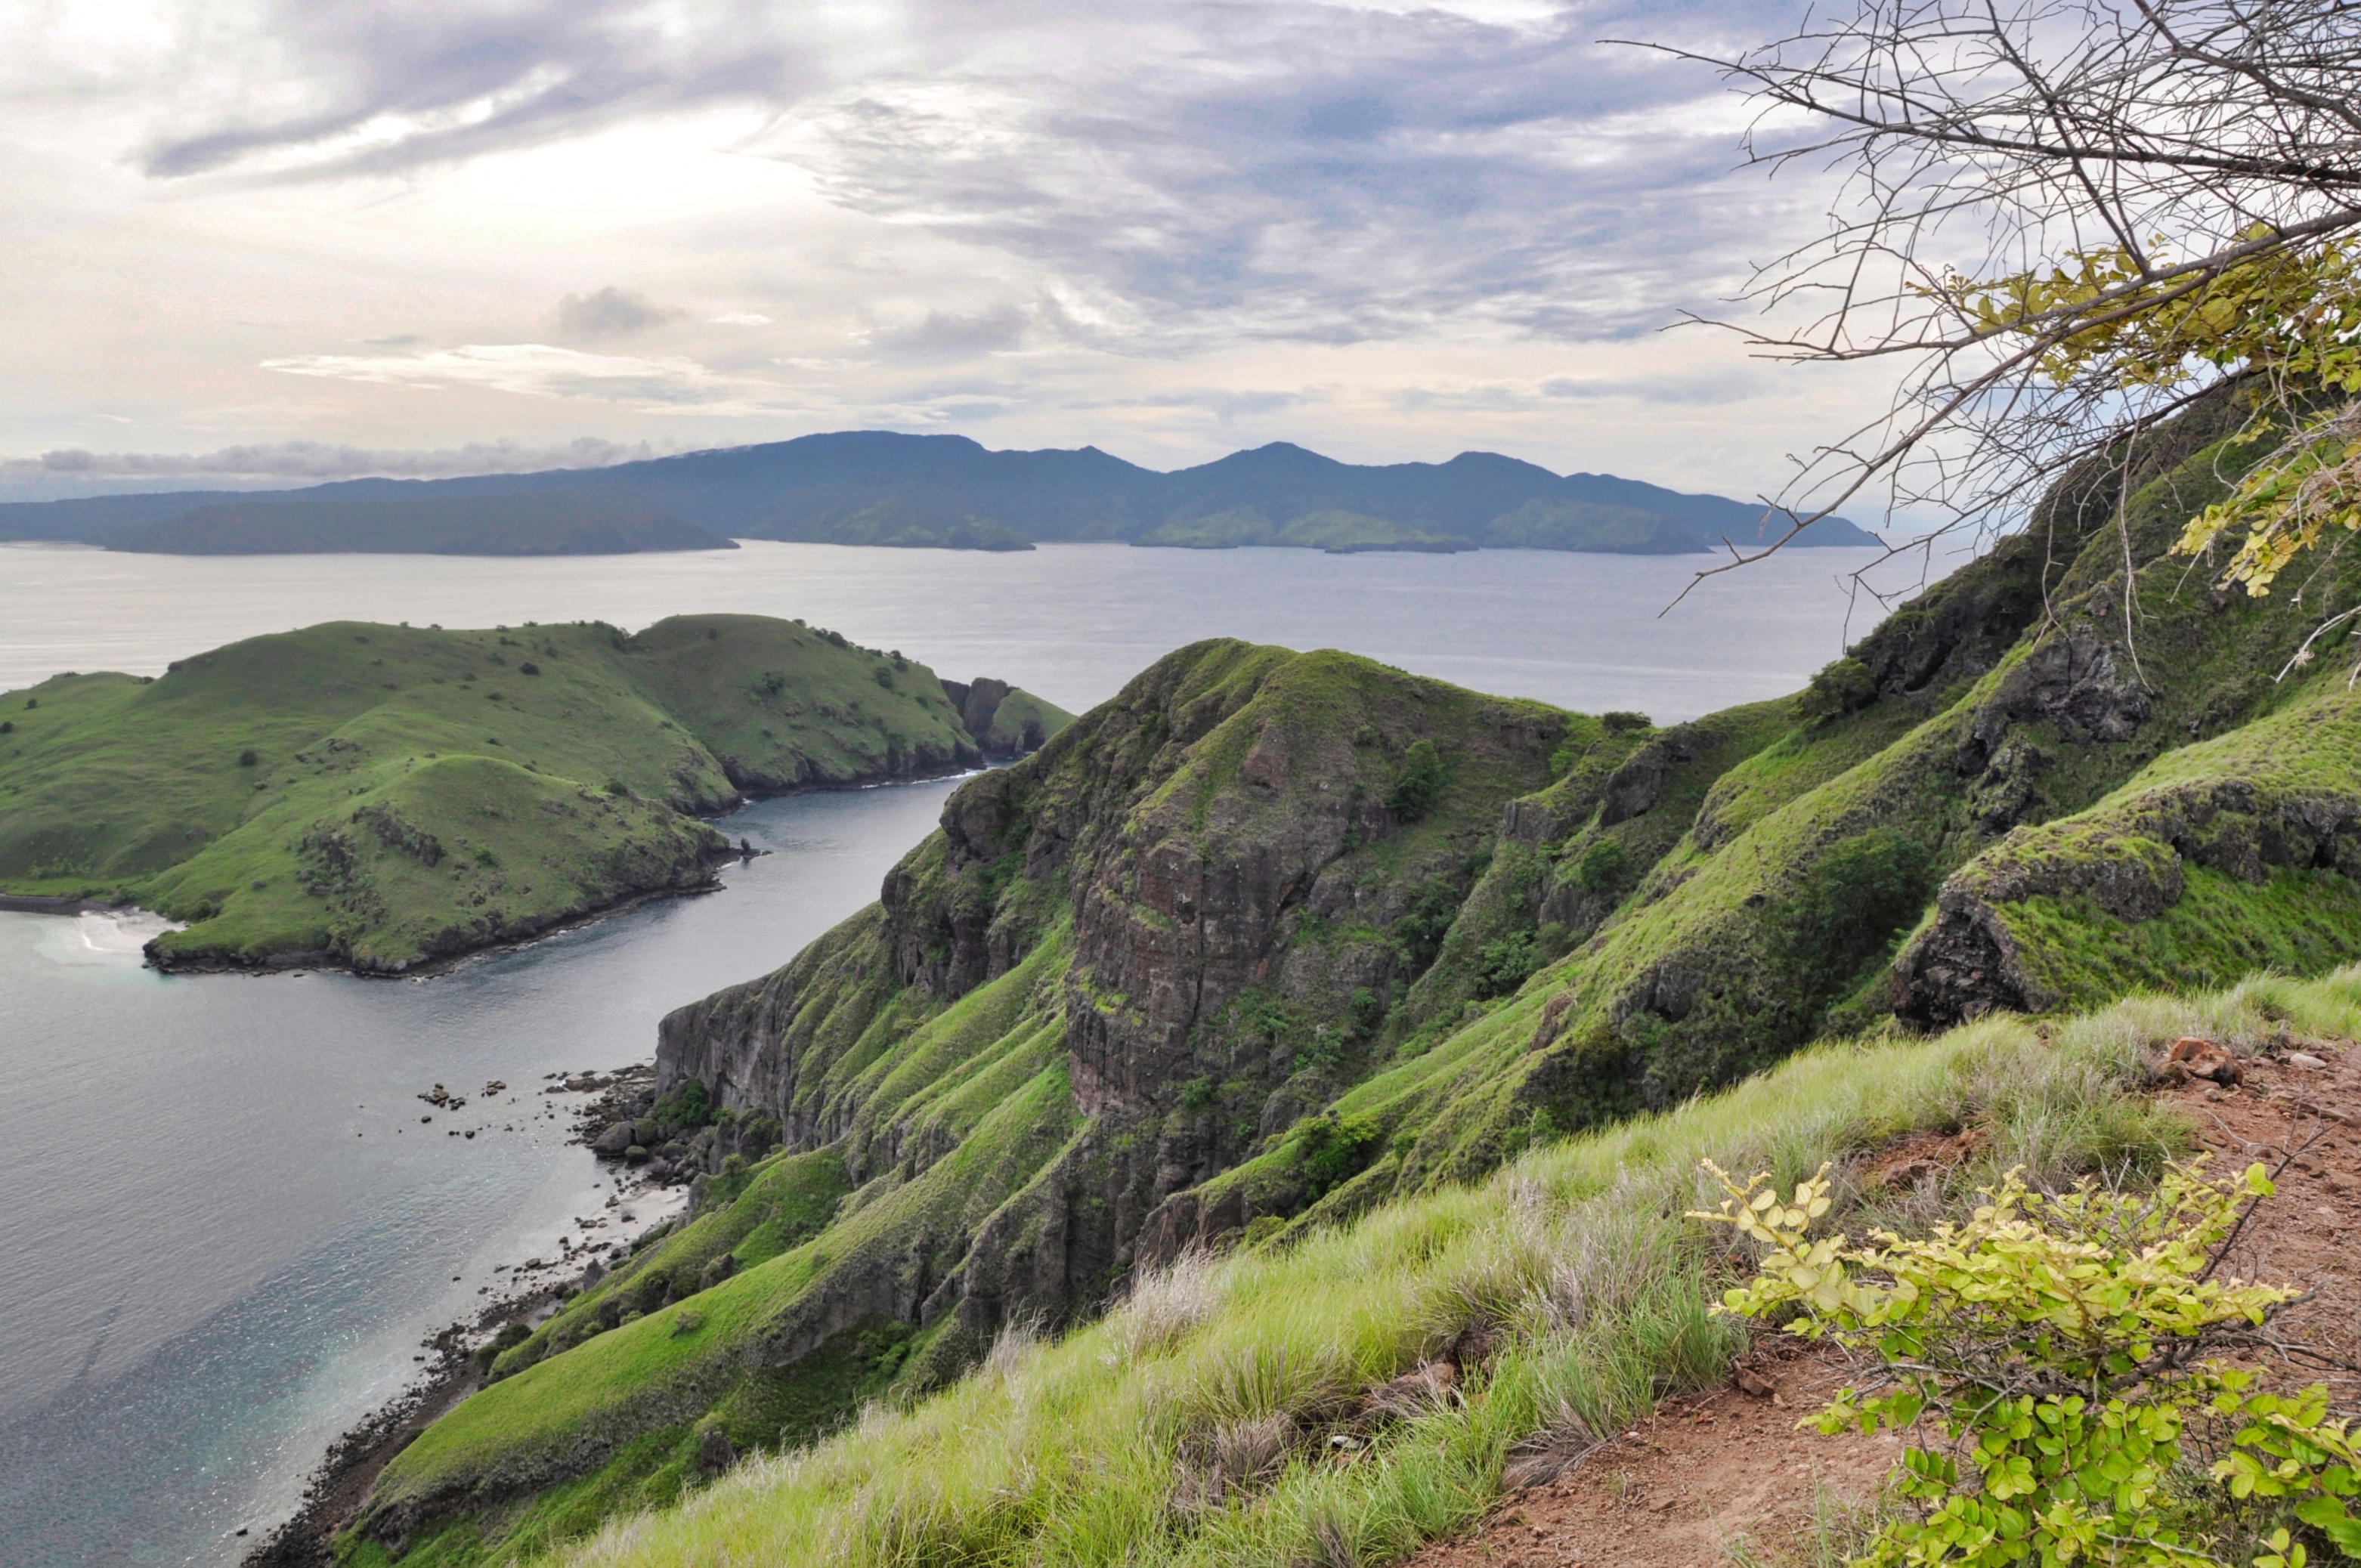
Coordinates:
(224, 1230)
(1070, 622)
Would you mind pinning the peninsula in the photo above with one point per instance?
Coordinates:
(383, 797)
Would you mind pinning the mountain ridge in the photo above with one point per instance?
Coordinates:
(949, 491)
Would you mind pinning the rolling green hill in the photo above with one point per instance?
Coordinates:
(1275, 954)
(383, 796)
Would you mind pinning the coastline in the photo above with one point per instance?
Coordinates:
(326, 960)
(338, 1487)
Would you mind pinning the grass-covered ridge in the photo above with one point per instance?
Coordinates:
(1193, 1425)
(383, 795)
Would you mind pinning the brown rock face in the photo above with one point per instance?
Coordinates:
(1198, 842)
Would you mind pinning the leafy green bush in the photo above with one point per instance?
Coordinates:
(1418, 933)
(1330, 1151)
(1505, 964)
(1846, 687)
(2058, 1345)
(688, 1106)
(247, 758)
(1624, 721)
(1851, 903)
(885, 677)
(1604, 867)
(1418, 785)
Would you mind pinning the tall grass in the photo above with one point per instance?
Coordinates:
(1217, 1416)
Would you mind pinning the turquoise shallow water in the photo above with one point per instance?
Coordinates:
(224, 1231)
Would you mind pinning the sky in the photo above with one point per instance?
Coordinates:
(250, 241)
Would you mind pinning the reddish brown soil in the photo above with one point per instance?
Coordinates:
(1707, 1471)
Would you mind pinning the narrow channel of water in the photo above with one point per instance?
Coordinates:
(225, 1229)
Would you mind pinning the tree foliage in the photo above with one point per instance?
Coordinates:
(2069, 220)
(2046, 1360)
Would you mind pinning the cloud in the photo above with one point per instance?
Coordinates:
(321, 461)
(341, 87)
(665, 384)
(1218, 173)
(1177, 178)
(611, 313)
(948, 336)
(740, 318)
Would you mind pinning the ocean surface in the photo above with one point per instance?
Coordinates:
(1072, 622)
(224, 1231)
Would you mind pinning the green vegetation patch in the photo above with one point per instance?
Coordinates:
(384, 795)
(1577, 1263)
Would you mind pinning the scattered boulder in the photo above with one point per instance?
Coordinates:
(614, 1141)
(2191, 1058)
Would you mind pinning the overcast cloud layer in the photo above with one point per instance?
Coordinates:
(355, 232)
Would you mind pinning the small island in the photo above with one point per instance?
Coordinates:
(383, 799)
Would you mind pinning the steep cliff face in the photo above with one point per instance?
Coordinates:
(1158, 945)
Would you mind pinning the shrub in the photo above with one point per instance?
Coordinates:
(1419, 784)
(1419, 934)
(1198, 1093)
(1330, 1151)
(1850, 905)
(1504, 965)
(688, 1106)
(1604, 867)
(510, 1336)
(528, 668)
(885, 677)
(1623, 720)
(1369, 1011)
(247, 758)
(7, 726)
(618, 789)
(1846, 687)
(2057, 1345)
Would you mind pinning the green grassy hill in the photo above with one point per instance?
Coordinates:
(382, 796)
(1285, 956)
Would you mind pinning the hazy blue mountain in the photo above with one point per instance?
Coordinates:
(885, 488)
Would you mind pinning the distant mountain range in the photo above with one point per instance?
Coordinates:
(943, 492)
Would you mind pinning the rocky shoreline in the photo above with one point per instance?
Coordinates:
(457, 1361)
(518, 934)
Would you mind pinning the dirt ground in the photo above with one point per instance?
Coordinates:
(1709, 1471)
